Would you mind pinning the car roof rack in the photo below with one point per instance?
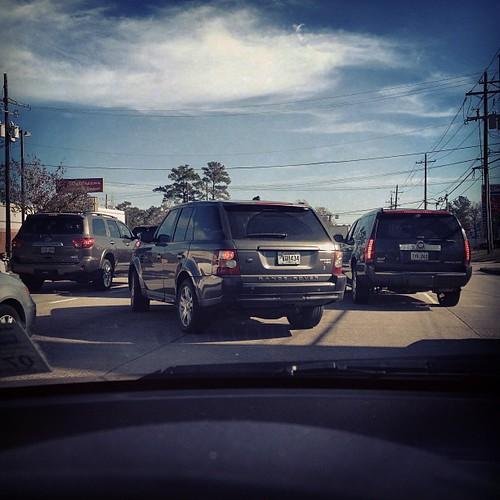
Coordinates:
(89, 212)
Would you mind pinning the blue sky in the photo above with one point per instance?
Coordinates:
(149, 86)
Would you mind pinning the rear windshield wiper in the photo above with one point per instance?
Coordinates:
(267, 235)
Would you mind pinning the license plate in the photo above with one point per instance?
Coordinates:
(288, 259)
(419, 256)
(47, 249)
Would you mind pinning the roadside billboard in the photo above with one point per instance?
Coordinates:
(88, 185)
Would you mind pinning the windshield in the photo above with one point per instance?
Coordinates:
(418, 227)
(293, 224)
(59, 224)
(192, 184)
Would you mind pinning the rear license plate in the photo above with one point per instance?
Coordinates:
(288, 259)
(419, 256)
(47, 249)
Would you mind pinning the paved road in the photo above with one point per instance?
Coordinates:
(88, 333)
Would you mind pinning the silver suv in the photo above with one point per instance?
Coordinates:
(84, 247)
(267, 259)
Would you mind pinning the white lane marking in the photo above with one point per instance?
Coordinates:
(431, 298)
(63, 300)
(43, 338)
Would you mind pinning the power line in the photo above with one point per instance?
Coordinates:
(151, 113)
(285, 165)
(323, 146)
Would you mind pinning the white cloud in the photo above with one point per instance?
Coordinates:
(197, 56)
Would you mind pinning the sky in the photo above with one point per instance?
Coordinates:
(129, 90)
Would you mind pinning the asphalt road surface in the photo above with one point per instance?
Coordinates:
(86, 333)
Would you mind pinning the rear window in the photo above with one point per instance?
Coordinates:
(53, 224)
(274, 222)
(418, 226)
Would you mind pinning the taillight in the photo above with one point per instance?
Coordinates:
(137, 243)
(466, 251)
(370, 250)
(225, 263)
(17, 243)
(337, 263)
(83, 242)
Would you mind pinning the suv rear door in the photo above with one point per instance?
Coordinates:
(418, 241)
(275, 241)
(48, 239)
(177, 250)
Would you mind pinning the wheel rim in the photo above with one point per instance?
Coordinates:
(107, 274)
(186, 304)
(7, 319)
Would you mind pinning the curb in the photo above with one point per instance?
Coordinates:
(490, 270)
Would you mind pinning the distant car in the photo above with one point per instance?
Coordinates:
(84, 247)
(407, 251)
(138, 230)
(16, 304)
(268, 259)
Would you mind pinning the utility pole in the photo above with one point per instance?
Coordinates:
(391, 200)
(22, 134)
(7, 166)
(425, 162)
(396, 197)
(486, 174)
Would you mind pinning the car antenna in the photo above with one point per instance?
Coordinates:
(256, 198)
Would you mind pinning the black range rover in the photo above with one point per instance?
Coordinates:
(407, 251)
(268, 259)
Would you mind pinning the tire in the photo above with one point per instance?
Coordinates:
(138, 301)
(306, 317)
(448, 299)
(33, 283)
(189, 312)
(105, 277)
(9, 315)
(360, 289)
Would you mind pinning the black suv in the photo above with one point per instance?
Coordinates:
(268, 259)
(407, 251)
(84, 247)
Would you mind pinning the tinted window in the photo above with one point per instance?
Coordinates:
(182, 224)
(98, 227)
(53, 224)
(418, 226)
(167, 226)
(207, 226)
(286, 223)
(124, 230)
(113, 229)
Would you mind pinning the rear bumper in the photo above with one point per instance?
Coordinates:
(277, 296)
(418, 281)
(58, 271)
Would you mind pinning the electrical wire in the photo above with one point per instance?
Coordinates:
(257, 167)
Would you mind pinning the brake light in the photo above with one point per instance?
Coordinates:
(370, 250)
(83, 242)
(137, 243)
(337, 263)
(225, 263)
(467, 254)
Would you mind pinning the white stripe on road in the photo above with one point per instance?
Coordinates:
(63, 300)
(60, 340)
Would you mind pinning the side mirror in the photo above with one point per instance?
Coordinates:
(163, 239)
(146, 237)
(339, 238)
